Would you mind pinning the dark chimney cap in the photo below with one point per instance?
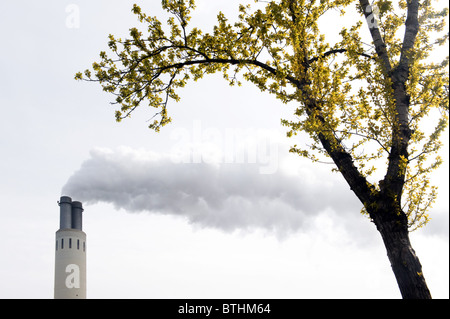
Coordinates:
(65, 199)
(77, 204)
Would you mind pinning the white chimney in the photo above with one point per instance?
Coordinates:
(70, 252)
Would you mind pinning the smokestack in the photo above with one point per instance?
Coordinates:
(70, 252)
(65, 212)
(77, 216)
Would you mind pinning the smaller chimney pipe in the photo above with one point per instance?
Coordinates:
(77, 215)
(65, 212)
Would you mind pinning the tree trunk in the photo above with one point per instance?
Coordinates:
(406, 266)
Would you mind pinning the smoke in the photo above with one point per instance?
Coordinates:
(218, 195)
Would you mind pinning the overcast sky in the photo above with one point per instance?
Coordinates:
(214, 206)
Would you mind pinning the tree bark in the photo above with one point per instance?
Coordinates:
(393, 227)
(384, 207)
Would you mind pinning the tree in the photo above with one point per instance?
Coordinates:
(363, 102)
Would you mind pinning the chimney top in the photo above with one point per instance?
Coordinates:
(76, 204)
(65, 199)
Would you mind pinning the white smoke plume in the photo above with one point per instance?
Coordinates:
(219, 195)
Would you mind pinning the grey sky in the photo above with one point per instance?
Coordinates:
(54, 130)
